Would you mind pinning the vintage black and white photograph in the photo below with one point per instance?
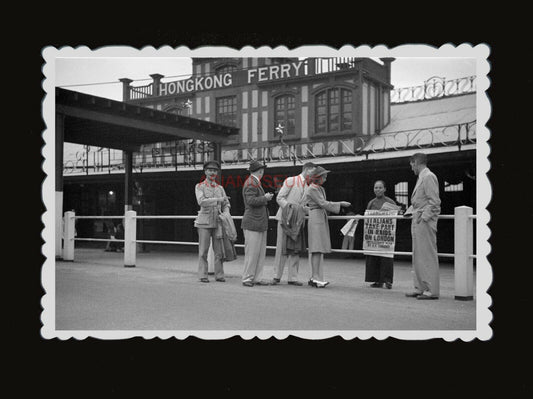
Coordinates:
(266, 192)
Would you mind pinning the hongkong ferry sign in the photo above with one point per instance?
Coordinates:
(268, 73)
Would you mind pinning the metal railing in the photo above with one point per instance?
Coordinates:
(463, 241)
(140, 92)
(327, 65)
(434, 87)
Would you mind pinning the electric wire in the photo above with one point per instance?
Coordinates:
(186, 75)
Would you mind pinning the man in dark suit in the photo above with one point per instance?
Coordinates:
(254, 225)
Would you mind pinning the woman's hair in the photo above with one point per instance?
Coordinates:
(382, 182)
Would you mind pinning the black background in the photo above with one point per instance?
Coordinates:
(336, 367)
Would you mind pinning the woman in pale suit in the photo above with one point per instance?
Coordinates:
(318, 227)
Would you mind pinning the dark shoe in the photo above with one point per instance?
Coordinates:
(276, 281)
(413, 294)
(221, 279)
(388, 285)
(204, 280)
(424, 296)
(262, 283)
(376, 285)
(248, 284)
(295, 283)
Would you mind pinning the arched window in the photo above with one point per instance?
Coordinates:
(285, 114)
(333, 110)
(226, 68)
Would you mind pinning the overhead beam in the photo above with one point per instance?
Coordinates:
(128, 121)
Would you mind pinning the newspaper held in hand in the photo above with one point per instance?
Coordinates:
(379, 233)
(387, 206)
(408, 211)
(349, 228)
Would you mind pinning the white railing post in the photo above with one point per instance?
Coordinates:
(130, 235)
(464, 245)
(59, 225)
(68, 236)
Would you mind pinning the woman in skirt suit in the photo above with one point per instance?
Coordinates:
(318, 227)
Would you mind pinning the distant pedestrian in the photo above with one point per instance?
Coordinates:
(212, 200)
(426, 209)
(290, 195)
(379, 269)
(111, 229)
(119, 235)
(318, 227)
(255, 225)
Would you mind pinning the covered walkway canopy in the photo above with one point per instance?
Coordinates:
(101, 122)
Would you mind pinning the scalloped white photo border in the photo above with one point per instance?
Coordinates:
(480, 52)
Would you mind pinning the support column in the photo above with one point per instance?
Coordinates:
(218, 152)
(68, 239)
(359, 99)
(128, 180)
(59, 139)
(130, 235)
(125, 88)
(387, 61)
(156, 84)
(463, 263)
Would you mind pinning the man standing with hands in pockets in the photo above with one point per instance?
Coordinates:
(292, 192)
(426, 209)
(254, 225)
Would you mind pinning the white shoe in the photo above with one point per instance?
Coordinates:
(320, 284)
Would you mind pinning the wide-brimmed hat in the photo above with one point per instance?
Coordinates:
(256, 165)
(320, 171)
(212, 165)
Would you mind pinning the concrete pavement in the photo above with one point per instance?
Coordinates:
(95, 292)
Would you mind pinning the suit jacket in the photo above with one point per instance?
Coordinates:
(425, 198)
(206, 194)
(292, 192)
(256, 213)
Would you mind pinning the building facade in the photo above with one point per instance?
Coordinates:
(342, 113)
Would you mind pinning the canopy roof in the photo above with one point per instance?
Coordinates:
(443, 111)
(101, 122)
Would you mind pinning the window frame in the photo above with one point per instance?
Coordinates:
(314, 110)
(295, 92)
(235, 110)
(286, 109)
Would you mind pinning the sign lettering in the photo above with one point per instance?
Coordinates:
(380, 233)
(236, 78)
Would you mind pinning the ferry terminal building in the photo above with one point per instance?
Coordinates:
(341, 113)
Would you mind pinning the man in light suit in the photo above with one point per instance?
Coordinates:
(212, 200)
(291, 192)
(426, 209)
(254, 225)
